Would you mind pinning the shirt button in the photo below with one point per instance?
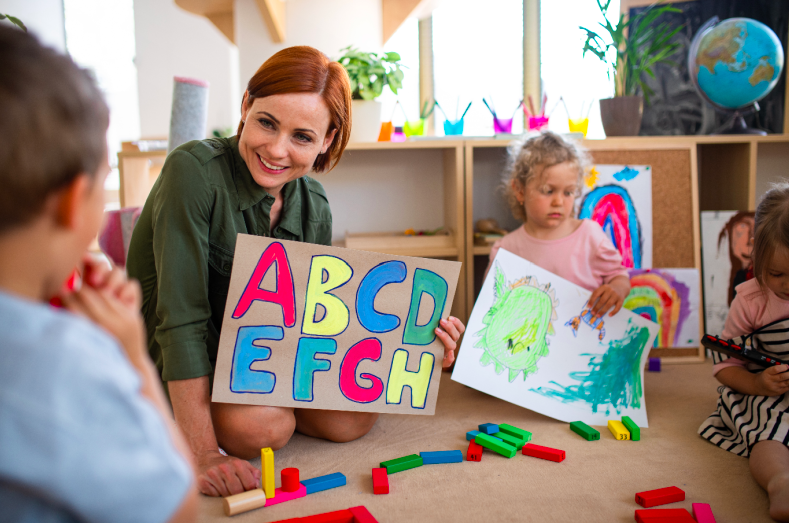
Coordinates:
(227, 267)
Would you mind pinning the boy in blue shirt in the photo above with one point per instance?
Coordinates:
(84, 428)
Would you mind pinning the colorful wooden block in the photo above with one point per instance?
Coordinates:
(244, 502)
(470, 435)
(338, 516)
(474, 451)
(290, 479)
(512, 440)
(281, 496)
(619, 431)
(324, 482)
(496, 445)
(702, 513)
(632, 428)
(362, 515)
(661, 496)
(585, 431)
(664, 515)
(441, 456)
(267, 472)
(654, 365)
(524, 435)
(538, 451)
(400, 464)
(380, 481)
(489, 428)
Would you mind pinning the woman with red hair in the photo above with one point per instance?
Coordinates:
(295, 118)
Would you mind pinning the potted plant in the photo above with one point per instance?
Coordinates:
(369, 74)
(632, 49)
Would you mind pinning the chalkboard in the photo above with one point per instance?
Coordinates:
(676, 108)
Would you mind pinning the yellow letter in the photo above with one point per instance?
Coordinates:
(335, 320)
(419, 381)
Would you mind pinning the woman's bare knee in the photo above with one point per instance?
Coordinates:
(337, 426)
(242, 430)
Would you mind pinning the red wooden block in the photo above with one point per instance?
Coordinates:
(338, 516)
(290, 479)
(362, 515)
(661, 496)
(380, 481)
(474, 451)
(664, 515)
(538, 451)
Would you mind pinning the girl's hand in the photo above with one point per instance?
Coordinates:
(773, 381)
(603, 299)
(449, 336)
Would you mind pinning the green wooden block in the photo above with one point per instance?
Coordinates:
(585, 431)
(524, 435)
(404, 463)
(635, 430)
(515, 441)
(496, 445)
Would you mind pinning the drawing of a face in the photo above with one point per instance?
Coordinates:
(741, 241)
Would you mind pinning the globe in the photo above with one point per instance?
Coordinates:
(734, 64)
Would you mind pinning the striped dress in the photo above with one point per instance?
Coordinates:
(742, 420)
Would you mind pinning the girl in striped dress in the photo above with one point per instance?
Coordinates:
(752, 419)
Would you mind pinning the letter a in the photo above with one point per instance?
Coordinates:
(284, 296)
(418, 381)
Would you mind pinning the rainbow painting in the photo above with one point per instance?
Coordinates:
(619, 198)
(670, 298)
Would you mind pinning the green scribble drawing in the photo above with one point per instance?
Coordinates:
(614, 378)
(517, 324)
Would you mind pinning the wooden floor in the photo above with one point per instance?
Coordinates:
(597, 481)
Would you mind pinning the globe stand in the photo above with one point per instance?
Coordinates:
(737, 125)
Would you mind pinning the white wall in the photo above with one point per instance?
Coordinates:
(44, 18)
(328, 25)
(172, 42)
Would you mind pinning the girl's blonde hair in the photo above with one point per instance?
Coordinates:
(531, 155)
(771, 228)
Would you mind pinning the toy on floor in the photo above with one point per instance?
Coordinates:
(441, 456)
(654, 365)
(538, 451)
(702, 513)
(406, 462)
(632, 428)
(618, 429)
(291, 488)
(358, 514)
(474, 451)
(380, 481)
(661, 496)
(664, 515)
(585, 431)
(496, 445)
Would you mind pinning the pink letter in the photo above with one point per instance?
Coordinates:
(284, 296)
(367, 349)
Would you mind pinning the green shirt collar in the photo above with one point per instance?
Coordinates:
(251, 194)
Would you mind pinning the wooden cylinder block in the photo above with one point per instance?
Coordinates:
(290, 479)
(244, 502)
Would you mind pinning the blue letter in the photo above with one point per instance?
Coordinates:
(245, 353)
(306, 365)
(431, 283)
(373, 282)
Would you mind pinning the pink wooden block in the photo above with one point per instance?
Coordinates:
(703, 513)
(362, 515)
(280, 496)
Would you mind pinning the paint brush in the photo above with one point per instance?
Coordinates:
(442, 110)
(516, 109)
(591, 103)
(544, 102)
(489, 109)
(531, 106)
(566, 110)
(464, 112)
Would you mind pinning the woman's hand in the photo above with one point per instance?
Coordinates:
(449, 333)
(609, 296)
(773, 381)
(219, 475)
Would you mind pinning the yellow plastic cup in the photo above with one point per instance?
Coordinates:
(415, 128)
(579, 125)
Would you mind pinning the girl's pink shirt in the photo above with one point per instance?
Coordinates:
(586, 257)
(751, 308)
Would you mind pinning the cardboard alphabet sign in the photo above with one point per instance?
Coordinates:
(310, 326)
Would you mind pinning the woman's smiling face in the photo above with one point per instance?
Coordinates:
(282, 136)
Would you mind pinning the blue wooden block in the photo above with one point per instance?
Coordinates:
(470, 435)
(488, 428)
(324, 482)
(441, 456)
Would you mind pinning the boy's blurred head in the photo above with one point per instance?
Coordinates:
(53, 123)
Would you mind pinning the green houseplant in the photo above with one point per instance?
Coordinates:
(369, 73)
(630, 50)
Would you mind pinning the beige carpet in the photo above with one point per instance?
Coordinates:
(597, 481)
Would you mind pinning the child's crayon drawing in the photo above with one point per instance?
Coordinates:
(670, 298)
(530, 321)
(619, 198)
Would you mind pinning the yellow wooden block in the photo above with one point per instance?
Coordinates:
(618, 429)
(267, 471)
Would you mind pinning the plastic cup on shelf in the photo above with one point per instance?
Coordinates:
(537, 123)
(386, 132)
(415, 128)
(579, 125)
(502, 125)
(398, 135)
(453, 128)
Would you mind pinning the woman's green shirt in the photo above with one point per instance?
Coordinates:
(182, 247)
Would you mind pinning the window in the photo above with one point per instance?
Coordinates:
(405, 42)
